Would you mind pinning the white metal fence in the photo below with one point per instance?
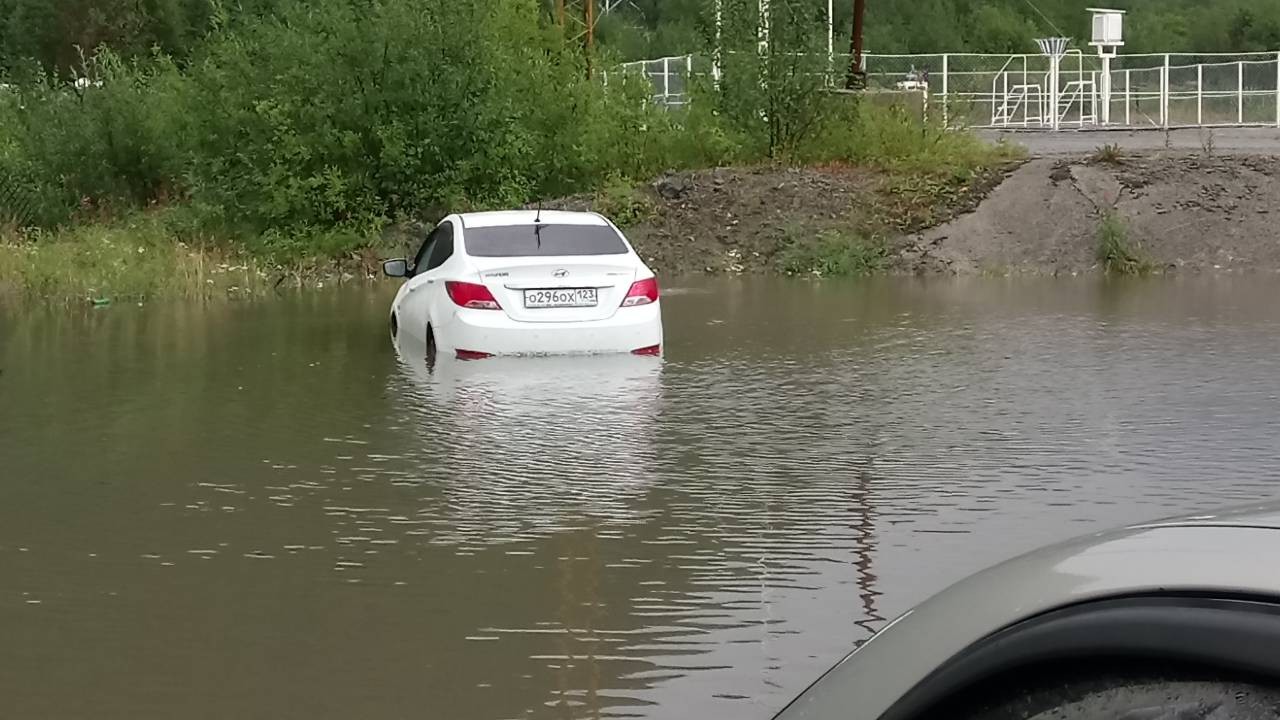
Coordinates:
(1012, 91)
(670, 76)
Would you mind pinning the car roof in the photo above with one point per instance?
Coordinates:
(529, 217)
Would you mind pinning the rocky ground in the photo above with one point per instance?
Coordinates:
(1184, 211)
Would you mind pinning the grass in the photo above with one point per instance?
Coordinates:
(135, 259)
(892, 139)
(832, 253)
(1117, 253)
(623, 202)
(1107, 155)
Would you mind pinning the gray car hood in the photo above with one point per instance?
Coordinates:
(1232, 551)
(1257, 515)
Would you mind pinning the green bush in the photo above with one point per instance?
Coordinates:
(623, 203)
(339, 117)
(95, 148)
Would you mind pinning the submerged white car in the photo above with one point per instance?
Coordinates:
(527, 283)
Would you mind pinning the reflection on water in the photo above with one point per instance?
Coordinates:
(517, 447)
(264, 510)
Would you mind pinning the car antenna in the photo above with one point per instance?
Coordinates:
(537, 225)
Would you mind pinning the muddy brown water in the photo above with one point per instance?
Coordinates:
(261, 511)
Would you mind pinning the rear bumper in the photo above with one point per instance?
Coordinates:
(494, 333)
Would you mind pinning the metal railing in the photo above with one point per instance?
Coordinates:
(1165, 90)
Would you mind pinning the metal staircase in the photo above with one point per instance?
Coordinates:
(1080, 92)
(1024, 98)
(1027, 105)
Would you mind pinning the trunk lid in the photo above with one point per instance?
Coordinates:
(509, 279)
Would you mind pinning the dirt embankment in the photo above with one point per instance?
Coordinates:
(732, 220)
(1183, 211)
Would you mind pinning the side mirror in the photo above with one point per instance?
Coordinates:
(397, 268)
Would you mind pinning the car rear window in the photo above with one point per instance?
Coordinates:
(543, 240)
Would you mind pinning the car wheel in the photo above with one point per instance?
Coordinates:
(395, 325)
(1129, 696)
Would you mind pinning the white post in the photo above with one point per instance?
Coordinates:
(666, 78)
(1278, 89)
(1200, 94)
(1106, 89)
(1026, 92)
(993, 102)
(831, 42)
(1093, 99)
(1004, 92)
(1240, 93)
(946, 68)
(688, 77)
(1055, 62)
(1127, 121)
(1164, 93)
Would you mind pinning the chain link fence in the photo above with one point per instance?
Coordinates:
(1012, 91)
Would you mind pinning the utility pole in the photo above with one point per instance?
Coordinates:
(577, 20)
(856, 79)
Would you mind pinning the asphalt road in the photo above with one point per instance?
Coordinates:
(1252, 141)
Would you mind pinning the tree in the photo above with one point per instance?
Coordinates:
(772, 81)
(60, 33)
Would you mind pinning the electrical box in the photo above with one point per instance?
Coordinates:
(1108, 27)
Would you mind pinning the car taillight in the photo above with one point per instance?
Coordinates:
(651, 350)
(471, 355)
(642, 292)
(471, 295)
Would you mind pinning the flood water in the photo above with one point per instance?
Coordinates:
(261, 510)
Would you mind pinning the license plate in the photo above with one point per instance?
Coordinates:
(566, 298)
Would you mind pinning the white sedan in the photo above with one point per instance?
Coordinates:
(527, 283)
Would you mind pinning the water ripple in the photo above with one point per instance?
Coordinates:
(694, 536)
